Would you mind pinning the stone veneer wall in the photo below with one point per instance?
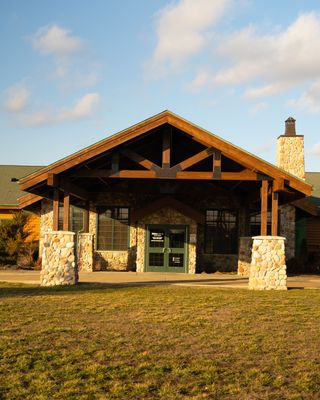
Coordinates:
(85, 252)
(46, 221)
(290, 155)
(58, 259)
(165, 216)
(244, 257)
(288, 228)
(268, 264)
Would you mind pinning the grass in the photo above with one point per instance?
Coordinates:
(164, 342)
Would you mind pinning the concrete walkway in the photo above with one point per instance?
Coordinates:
(217, 280)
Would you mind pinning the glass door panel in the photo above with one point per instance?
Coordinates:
(166, 248)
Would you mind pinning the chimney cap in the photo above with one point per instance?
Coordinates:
(290, 127)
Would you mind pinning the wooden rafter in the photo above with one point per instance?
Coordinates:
(166, 118)
(194, 159)
(144, 162)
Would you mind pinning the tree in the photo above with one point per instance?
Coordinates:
(13, 235)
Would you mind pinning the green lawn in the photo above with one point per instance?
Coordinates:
(93, 342)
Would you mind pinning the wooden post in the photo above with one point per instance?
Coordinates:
(66, 211)
(274, 221)
(166, 144)
(264, 208)
(217, 164)
(115, 163)
(55, 225)
(86, 218)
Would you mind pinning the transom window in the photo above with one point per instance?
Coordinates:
(221, 232)
(113, 228)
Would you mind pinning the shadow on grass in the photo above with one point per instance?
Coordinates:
(8, 289)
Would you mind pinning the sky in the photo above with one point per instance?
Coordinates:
(75, 72)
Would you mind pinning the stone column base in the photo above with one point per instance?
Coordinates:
(58, 259)
(268, 265)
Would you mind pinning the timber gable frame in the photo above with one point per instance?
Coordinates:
(254, 169)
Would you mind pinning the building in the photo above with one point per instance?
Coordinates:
(10, 193)
(166, 195)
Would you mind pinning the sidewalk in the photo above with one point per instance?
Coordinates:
(216, 280)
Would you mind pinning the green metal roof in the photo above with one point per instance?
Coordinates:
(9, 191)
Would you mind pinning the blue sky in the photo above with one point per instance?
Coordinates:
(75, 72)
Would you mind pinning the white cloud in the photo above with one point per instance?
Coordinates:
(269, 64)
(17, 98)
(84, 107)
(182, 31)
(309, 100)
(73, 65)
(315, 149)
(53, 39)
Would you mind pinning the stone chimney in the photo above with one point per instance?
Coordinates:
(290, 150)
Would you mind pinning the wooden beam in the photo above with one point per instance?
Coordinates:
(217, 164)
(264, 208)
(27, 200)
(144, 162)
(278, 185)
(66, 186)
(274, 213)
(194, 159)
(55, 225)
(66, 211)
(52, 180)
(166, 148)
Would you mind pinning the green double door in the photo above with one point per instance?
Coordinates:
(166, 248)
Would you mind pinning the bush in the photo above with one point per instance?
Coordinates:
(13, 246)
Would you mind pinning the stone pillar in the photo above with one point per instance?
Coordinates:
(268, 265)
(85, 252)
(58, 259)
(244, 257)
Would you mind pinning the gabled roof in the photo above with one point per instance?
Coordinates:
(229, 150)
(9, 186)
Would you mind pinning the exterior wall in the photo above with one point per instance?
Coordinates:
(133, 258)
(268, 264)
(244, 258)
(290, 155)
(165, 216)
(58, 259)
(288, 228)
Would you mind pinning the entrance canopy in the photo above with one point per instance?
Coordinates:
(164, 154)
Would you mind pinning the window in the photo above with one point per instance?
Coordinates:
(113, 228)
(76, 218)
(221, 232)
(255, 223)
